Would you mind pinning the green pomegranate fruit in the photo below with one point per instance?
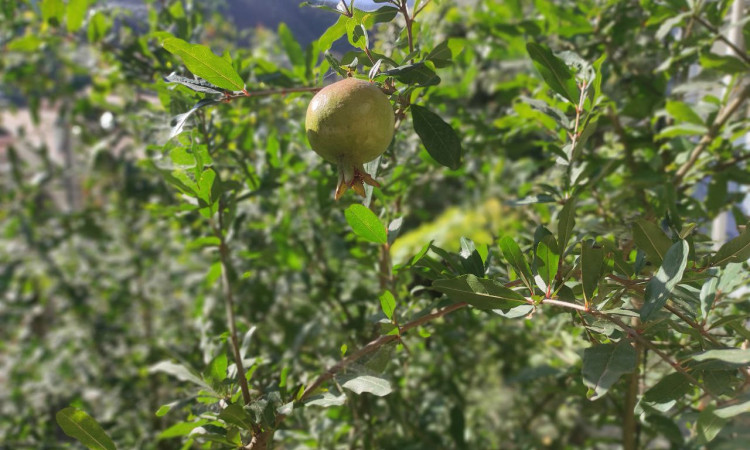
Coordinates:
(349, 123)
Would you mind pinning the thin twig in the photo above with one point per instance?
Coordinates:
(409, 20)
(713, 131)
(421, 7)
(740, 54)
(229, 302)
(374, 345)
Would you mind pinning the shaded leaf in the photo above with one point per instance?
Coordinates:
(566, 220)
(554, 71)
(672, 387)
(651, 239)
(604, 364)
(547, 259)
(512, 253)
(592, 261)
(418, 73)
(735, 251)
(660, 286)
(480, 293)
(235, 414)
(438, 137)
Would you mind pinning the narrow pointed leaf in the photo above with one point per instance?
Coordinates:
(512, 253)
(554, 71)
(366, 224)
(566, 221)
(359, 384)
(604, 364)
(729, 355)
(439, 138)
(660, 286)
(178, 371)
(735, 251)
(480, 293)
(672, 387)
(201, 61)
(235, 414)
(547, 259)
(82, 427)
(388, 304)
(592, 260)
(651, 239)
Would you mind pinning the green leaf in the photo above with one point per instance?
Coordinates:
(326, 399)
(388, 304)
(82, 427)
(366, 224)
(291, 46)
(201, 61)
(592, 261)
(566, 220)
(52, 11)
(361, 383)
(672, 387)
(479, 292)
(709, 425)
(660, 286)
(604, 364)
(471, 260)
(723, 63)
(420, 74)
(730, 411)
(75, 14)
(235, 414)
(217, 370)
(735, 251)
(439, 138)
(708, 295)
(512, 253)
(547, 259)
(649, 238)
(181, 429)
(729, 355)
(554, 71)
(180, 372)
(357, 34)
(599, 78)
(164, 409)
(683, 129)
(98, 27)
(440, 55)
(666, 427)
(683, 112)
(383, 14)
(332, 34)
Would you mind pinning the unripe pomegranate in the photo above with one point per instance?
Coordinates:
(349, 123)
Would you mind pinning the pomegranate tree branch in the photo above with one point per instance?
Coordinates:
(728, 42)
(376, 344)
(713, 131)
(229, 303)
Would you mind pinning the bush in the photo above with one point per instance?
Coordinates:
(536, 269)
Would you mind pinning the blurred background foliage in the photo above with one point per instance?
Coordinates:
(107, 269)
